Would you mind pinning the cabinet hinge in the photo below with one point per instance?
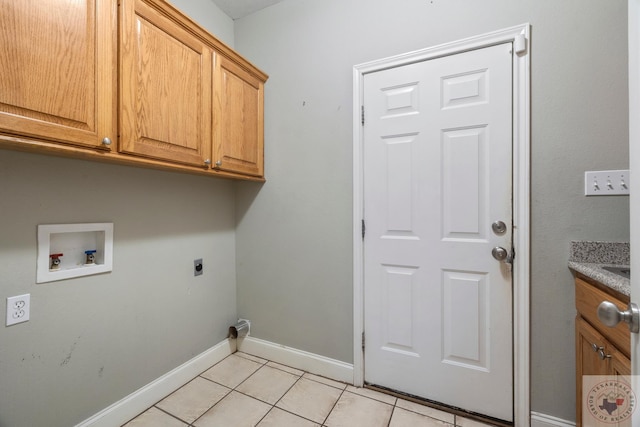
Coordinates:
(362, 340)
(362, 114)
(364, 228)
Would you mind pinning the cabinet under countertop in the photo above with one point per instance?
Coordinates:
(600, 350)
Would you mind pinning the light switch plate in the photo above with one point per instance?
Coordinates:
(606, 183)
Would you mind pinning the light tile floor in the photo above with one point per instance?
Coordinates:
(244, 390)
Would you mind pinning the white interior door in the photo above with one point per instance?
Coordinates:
(437, 175)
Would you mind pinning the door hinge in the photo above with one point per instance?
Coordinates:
(364, 228)
(362, 114)
(520, 44)
(362, 340)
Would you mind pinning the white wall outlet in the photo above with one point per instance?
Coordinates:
(606, 183)
(18, 309)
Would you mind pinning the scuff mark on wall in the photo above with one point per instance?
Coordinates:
(68, 358)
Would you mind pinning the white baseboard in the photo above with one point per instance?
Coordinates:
(542, 420)
(138, 401)
(299, 359)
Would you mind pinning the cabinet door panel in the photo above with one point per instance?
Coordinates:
(238, 120)
(57, 69)
(166, 88)
(588, 361)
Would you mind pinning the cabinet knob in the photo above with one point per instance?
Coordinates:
(106, 141)
(207, 162)
(219, 163)
(603, 355)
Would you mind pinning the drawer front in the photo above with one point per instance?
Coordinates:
(588, 298)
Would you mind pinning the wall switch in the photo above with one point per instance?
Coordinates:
(18, 309)
(606, 183)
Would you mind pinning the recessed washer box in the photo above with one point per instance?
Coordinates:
(70, 244)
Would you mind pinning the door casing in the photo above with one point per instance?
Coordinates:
(520, 36)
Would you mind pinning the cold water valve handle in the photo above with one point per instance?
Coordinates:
(91, 256)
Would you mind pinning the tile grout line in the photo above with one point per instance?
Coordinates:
(168, 413)
(334, 406)
(393, 410)
(299, 374)
(285, 393)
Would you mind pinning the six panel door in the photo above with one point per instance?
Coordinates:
(437, 175)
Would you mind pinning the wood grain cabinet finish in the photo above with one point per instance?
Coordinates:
(165, 87)
(596, 349)
(57, 71)
(163, 91)
(238, 120)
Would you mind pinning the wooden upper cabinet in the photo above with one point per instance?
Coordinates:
(58, 70)
(238, 144)
(165, 87)
(128, 81)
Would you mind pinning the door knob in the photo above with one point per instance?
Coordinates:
(499, 227)
(499, 253)
(610, 315)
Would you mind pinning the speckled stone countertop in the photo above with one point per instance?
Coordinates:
(588, 258)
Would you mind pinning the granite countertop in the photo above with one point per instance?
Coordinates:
(588, 258)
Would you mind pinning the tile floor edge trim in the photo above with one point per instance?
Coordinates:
(140, 400)
(299, 359)
(542, 420)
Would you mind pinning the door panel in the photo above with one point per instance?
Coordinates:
(437, 173)
(464, 310)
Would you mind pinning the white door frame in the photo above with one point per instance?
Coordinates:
(634, 166)
(521, 39)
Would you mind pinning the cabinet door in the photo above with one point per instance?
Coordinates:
(238, 120)
(596, 356)
(57, 70)
(588, 360)
(620, 366)
(165, 83)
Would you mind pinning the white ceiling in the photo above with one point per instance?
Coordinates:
(237, 9)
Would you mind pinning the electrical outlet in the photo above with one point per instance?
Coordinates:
(197, 267)
(18, 309)
(606, 183)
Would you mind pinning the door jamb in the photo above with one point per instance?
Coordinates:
(520, 36)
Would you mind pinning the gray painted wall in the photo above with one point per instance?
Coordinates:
(293, 237)
(207, 14)
(91, 341)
